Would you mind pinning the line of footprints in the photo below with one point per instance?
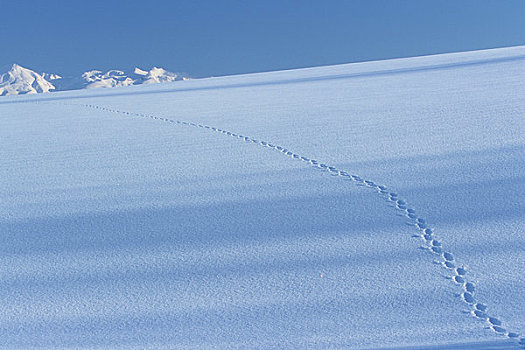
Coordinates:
(457, 273)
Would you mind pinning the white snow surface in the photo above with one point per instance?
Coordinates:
(19, 80)
(170, 217)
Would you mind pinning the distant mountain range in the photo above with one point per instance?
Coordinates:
(19, 80)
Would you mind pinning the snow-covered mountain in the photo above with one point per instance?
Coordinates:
(19, 80)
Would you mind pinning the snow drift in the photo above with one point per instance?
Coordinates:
(360, 206)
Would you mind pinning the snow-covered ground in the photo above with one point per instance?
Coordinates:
(248, 212)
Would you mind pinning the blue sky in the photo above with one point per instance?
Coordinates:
(210, 38)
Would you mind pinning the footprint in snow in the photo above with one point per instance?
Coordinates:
(460, 271)
(447, 256)
(481, 307)
(499, 329)
(411, 215)
(458, 279)
(435, 243)
(448, 264)
(468, 297)
(480, 314)
(437, 250)
(494, 321)
(469, 287)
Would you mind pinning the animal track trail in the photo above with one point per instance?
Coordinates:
(456, 272)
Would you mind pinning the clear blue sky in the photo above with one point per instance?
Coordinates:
(216, 37)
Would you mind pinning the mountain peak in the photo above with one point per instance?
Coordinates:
(139, 71)
(20, 80)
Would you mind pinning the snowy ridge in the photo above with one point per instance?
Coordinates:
(457, 273)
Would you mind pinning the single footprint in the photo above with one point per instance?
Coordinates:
(461, 271)
(494, 321)
(480, 314)
(499, 329)
(469, 287)
(447, 256)
(469, 298)
(449, 264)
(436, 243)
(437, 250)
(481, 307)
(458, 279)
